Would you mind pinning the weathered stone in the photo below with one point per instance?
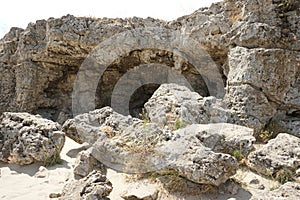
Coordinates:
(42, 173)
(289, 190)
(249, 107)
(86, 163)
(103, 122)
(40, 64)
(140, 191)
(26, 138)
(262, 69)
(94, 186)
(172, 104)
(283, 152)
(144, 147)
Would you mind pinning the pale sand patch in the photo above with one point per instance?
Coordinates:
(18, 182)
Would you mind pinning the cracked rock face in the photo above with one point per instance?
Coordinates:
(281, 152)
(171, 104)
(200, 153)
(93, 186)
(289, 190)
(26, 138)
(254, 46)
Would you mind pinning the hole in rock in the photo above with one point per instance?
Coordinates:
(126, 63)
(140, 97)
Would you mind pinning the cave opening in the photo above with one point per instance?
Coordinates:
(140, 97)
(117, 69)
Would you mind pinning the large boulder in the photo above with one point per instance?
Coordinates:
(289, 190)
(197, 152)
(283, 152)
(261, 82)
(88, 127)
(94, 186)
(26, 138)
(172, 103)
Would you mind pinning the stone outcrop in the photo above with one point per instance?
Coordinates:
(93, 186)
(86, 163)
(172, 104)
(254, 47)
(283, 152)
(289, 190)
(99, 123)
(131, 145)
(26, 138)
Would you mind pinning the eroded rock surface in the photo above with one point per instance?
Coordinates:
(26, 138)
(254, 46)
(93, 186)
(86, 163)
(173, 104)
(289, 190)
(283, 152)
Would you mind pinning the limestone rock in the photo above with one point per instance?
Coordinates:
(103, 122)
(140, 191)
(289, 190)
(145, 147)
(171, 104)
(281, 152)
(93, 186)
(86, 163)
(251, 40)
(26, 138)
(42, 173)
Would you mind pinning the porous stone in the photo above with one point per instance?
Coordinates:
(103, 122)
(26, 138)
(172, 103)
(289, 190)
(191, 151)
(86, 163)
(280, 152)
(93, 186)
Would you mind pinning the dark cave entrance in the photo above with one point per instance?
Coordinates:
(140, 97)
(122, 65)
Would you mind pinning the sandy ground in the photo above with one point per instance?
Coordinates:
(34, 182)
(20, 182)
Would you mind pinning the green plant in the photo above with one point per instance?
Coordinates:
(274, 187)
(286, 5)
(144, 116)
(237, 154)
(179, 124)
(271, 130)
(53, 159)
(284, 175)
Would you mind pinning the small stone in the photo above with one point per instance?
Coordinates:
(254, 181)
(42, 173)
(54, 195)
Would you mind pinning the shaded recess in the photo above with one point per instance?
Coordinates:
(139, 57)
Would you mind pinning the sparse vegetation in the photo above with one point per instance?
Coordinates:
(271, 131)
(237, 154)
(179, 124)
(145, 116)
(286, 5)
(53, 159)
(284, 175)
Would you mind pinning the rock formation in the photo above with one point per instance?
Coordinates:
(254, 45)
(132, 145)
(199, 90)
(93, 186)
(26, 138)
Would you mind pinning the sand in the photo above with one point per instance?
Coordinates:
(35, 182)
(19, 182)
